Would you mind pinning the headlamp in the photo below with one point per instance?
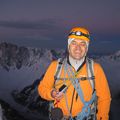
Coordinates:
(78, 33)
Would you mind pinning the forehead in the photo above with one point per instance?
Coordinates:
(79, 41)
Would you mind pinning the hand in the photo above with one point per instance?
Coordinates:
(56, 94)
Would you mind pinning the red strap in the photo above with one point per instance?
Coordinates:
(56, 103)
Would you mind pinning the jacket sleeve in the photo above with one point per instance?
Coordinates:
(46, 85)
(103, 94)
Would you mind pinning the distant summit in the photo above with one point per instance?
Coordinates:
(13, 56)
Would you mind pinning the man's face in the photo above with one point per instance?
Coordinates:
(77, 49)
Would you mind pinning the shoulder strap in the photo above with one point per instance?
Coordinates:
(58, 69)
(57, 74)
(90, 70)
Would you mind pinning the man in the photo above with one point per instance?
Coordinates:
(85, 92)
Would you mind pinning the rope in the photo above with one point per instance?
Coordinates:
(66, 96)
(86, 108)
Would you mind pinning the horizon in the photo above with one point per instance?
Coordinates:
(44, 24)
(90, 53)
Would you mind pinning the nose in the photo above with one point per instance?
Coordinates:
(78, 47)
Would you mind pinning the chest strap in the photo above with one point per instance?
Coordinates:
(81, 78)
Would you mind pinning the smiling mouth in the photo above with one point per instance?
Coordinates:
(77, 52)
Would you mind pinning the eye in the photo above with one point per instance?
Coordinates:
(73, 43)
(83, 44)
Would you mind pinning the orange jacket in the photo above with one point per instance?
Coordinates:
(102, 90)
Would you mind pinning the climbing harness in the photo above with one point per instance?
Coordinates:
(86, 108)
(89, 108)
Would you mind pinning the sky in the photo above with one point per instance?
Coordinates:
(46, 23)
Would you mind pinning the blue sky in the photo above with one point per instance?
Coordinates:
(46, 23)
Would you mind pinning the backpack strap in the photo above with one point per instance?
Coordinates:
(90, 72)
(56, 76)
(58, 69)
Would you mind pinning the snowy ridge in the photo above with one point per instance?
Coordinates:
(113, 57)
(12, 56)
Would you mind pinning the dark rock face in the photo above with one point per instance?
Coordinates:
(15, 56)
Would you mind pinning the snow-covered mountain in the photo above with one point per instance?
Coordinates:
(113, 57)
(22, 68)
(12, 56)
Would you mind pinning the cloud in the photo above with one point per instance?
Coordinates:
(40, 25)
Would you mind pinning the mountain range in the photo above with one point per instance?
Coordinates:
(21, 70)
